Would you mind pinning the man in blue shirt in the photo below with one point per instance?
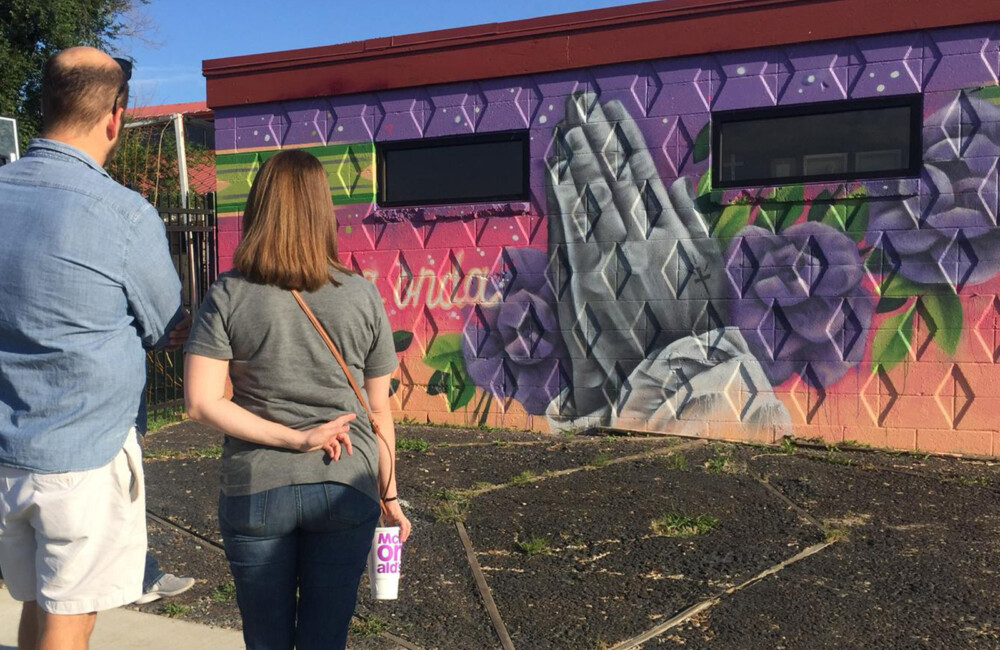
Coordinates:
(86, 283)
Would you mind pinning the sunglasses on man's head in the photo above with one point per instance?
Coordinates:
(126, 67)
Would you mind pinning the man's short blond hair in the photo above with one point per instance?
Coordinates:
(76, 95)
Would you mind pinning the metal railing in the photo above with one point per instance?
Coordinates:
(191, 236)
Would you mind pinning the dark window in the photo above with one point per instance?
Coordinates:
(817, 142)
(462, 169)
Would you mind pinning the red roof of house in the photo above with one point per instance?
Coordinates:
(635, 32)
(188, 109)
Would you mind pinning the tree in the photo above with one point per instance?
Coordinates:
(146, 160)
(32, 30)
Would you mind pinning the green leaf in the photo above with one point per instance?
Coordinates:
(705, 182)
(944, 310)
(703, 143)
(461, 389)
(856, 218)
(893, 340)
(990, 94)
(896, 286)
(820, 206)
(445, 350)
(733, 219)
(438, 383)
(887, 304)
(788, 194)
(402, 339)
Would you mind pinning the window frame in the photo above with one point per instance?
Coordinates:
(915, 102)
(518, 135)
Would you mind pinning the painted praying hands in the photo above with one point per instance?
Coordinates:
(637, 268)
(639, 284)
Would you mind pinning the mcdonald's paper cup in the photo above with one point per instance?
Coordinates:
(384, 561)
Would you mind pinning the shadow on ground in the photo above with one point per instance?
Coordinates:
(591, 542)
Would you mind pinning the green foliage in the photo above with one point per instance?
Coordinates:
(146, 160)
(367, 627)
(533, 546)
(451, 379)
(600, 460)
(411, 444)
(942, 311)
(990, 94)
(32, 30)
(402, 340)
(893, 340)
(175, 610)
(523, 477)
(160, 419)
(676, 461)
(703, 143)
(733, 219)
(781, 207)
(224, 593)
(677, 525)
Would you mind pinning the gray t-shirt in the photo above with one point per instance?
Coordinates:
(282, 371)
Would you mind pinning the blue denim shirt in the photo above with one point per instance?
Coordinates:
(86, 282)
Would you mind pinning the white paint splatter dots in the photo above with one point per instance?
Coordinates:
(801, 91)
(255, 131)
(543, 119)
(666, 120)
(871, 74)
(515, 238)
(894, 74)
(458, 119)
(811, 79)
(741, 70)
(880, 88)
(512, 91)
(267, 138)
(551, 107)
(340, 128)
(477, 109)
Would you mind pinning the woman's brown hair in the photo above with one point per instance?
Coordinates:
(289, 226)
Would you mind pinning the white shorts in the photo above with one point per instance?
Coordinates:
(75, 542)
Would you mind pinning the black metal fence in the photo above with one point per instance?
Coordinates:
(191, 235)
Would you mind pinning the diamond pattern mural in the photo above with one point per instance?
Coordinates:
(627, 291)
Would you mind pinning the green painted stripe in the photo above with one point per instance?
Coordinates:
(350, 171)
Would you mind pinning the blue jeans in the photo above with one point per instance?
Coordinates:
(297, 554)
(151, 574)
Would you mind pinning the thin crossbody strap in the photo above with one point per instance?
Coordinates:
(350, 379)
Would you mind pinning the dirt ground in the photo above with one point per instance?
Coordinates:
(589, 542)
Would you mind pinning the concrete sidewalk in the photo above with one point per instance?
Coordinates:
(122, 629)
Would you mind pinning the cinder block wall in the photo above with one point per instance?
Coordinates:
(626, 293)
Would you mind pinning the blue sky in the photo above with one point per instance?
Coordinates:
(183, 32)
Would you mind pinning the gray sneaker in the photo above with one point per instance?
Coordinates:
(168, 585)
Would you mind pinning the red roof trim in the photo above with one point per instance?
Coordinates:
(650, 30)
(190, 109)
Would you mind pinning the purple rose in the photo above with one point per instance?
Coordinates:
(947, 234)
(798, 300)
(513, 346)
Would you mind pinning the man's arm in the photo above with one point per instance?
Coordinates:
(151, 284)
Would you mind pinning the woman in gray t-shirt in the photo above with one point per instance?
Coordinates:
(304, 479)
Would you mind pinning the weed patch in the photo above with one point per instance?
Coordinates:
(175, 610)
(678, 525)
(367, 627)
(224, 593)
(533, 546)
(411, 444)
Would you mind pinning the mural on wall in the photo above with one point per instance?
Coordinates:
(676, 307)
(627, 292)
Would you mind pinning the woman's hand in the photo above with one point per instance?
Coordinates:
(393, 515)
(330, 436)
